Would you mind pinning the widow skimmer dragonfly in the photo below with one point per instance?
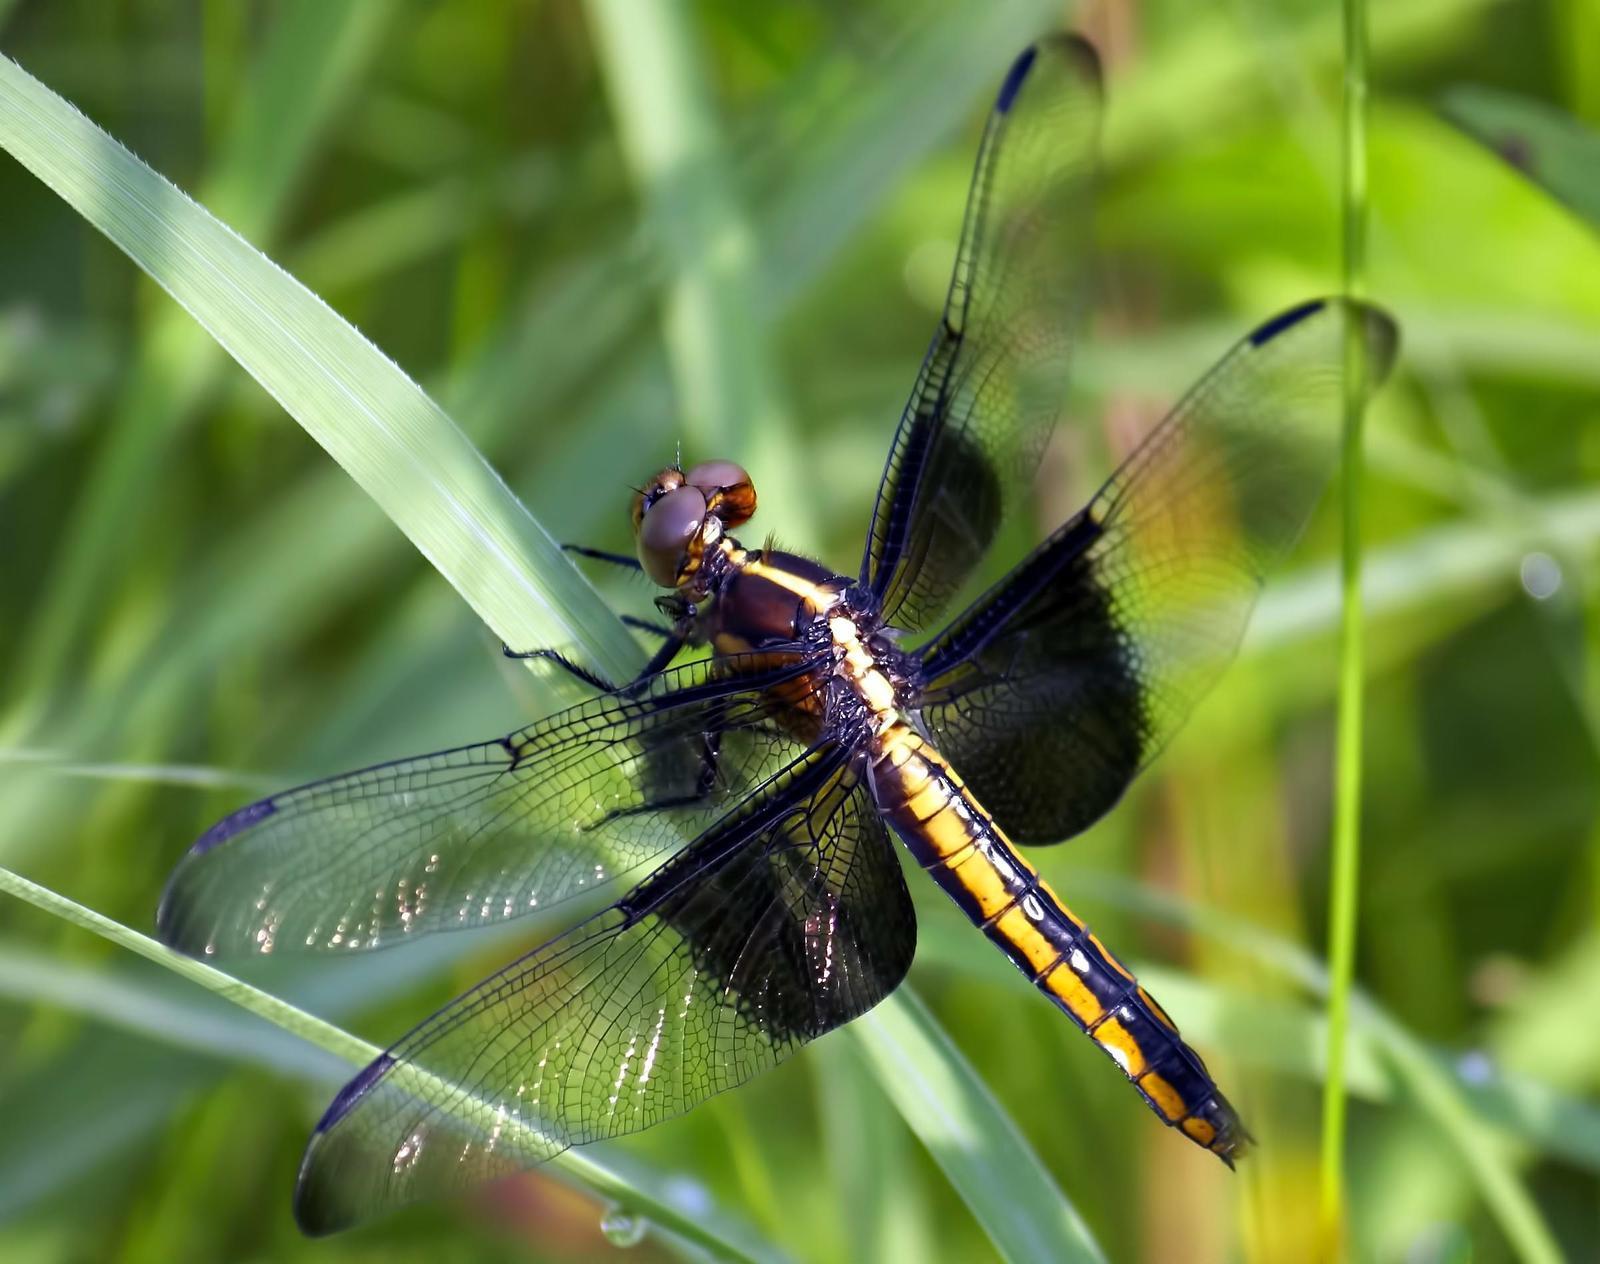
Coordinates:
(763, 781)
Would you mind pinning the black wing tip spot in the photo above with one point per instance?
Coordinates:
(1014, 79)
(1067, 45)
(1283, 321)
(352, 1092)
(1382, 331)
(1074, 47)
(232, 824)
(314, 1215)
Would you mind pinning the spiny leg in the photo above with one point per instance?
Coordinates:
(672, 641)
(604, 555)
(582, 673)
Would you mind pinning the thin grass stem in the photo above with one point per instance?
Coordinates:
(1346, 858)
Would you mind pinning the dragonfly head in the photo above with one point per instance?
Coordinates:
(679, 514)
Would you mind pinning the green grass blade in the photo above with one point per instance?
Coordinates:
(305, 68)
(1553, 149)
(1346, 853)
(583, 1169)
(974, 1142)
(378, 424)
(722, 358)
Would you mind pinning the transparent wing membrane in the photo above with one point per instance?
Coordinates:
(1060, 684)
(783, 922)
(482, 834)
(995, 378)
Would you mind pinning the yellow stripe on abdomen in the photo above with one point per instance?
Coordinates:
(966, 853)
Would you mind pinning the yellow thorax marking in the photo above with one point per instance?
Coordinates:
(862, 671)
(812, 593)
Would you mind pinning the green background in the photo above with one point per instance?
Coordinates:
(197, 606)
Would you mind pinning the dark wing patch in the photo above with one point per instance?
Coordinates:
(995, 378)
(783, 922)
(482, 834)
(1053, 691)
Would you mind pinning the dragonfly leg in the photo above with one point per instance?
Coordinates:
(588, 677)
(646, 625)
(672, 641)
(675, 641)
(603, 555)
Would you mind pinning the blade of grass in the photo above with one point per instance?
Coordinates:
(378, 424)
(1551, 148)
(582, 1168)
(309, 60)
(970, 1137)
(722, 358)
(1346, 853)
(171, 1015)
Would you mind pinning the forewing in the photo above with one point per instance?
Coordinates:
(1057, 687)
(995, 378)
(784, 921)
(482, 834)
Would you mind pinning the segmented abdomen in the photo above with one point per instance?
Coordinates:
(965, 852)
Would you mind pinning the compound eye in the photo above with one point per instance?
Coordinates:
(712, 476)
(662, 483)
(668, 528)
(735, 495)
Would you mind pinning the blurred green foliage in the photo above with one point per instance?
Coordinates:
(195, 604)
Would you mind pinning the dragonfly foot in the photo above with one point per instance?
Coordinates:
(588, 677)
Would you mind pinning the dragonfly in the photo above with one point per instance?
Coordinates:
(742, 807)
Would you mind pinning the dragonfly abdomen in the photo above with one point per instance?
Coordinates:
(973, 862)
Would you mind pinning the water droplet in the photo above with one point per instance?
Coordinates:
(1541, 575)
(623, 1228)
(1476, 1067)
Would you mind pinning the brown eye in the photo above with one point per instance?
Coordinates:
(737, 501)
(710, 476)
(665, 532)
(666, 481)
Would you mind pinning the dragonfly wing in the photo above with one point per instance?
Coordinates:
(784, 921)
(995, 378)
(482, 834)
(1060, 684)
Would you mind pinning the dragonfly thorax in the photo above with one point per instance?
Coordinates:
(860, 664)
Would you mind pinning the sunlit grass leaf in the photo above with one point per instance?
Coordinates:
(309, 61)
(975, 1144)
(373, 419)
